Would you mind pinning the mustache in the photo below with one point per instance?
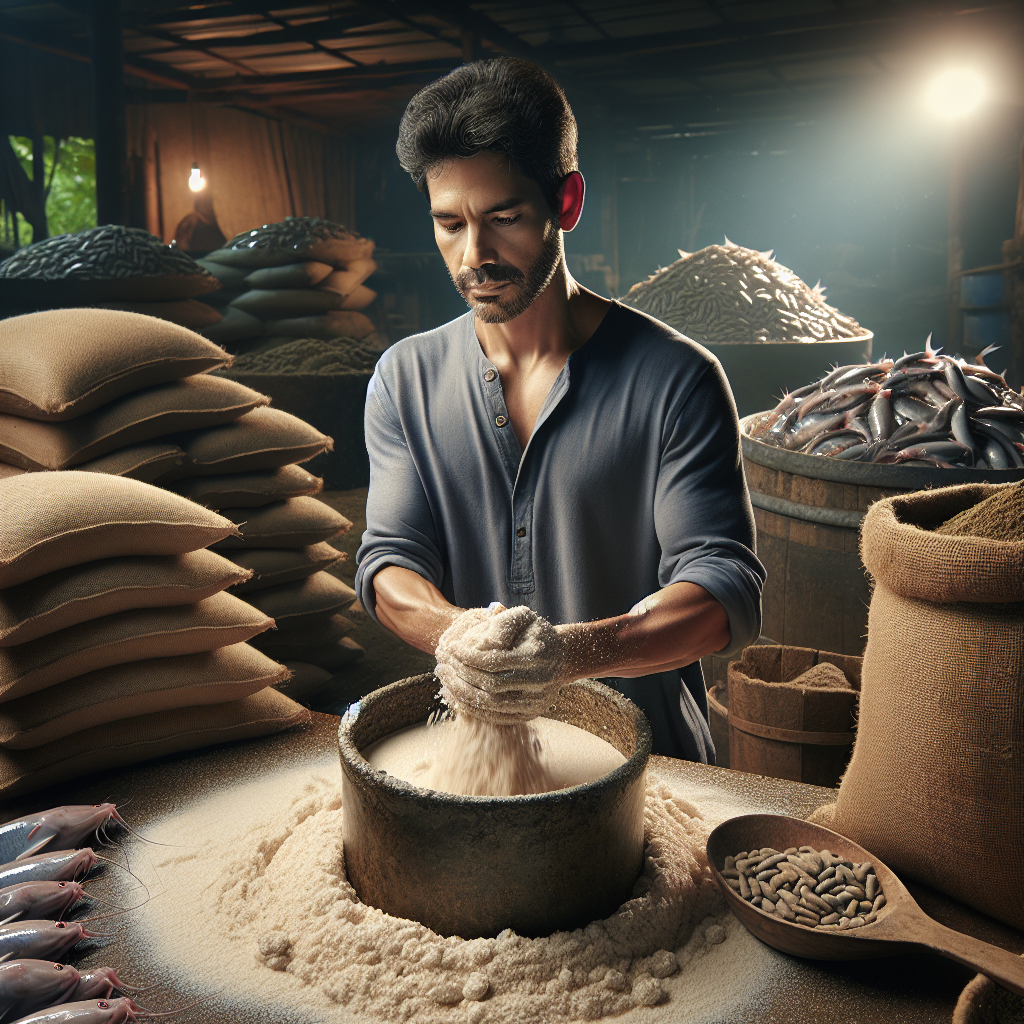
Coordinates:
(488, 272)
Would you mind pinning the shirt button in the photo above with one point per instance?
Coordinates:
(489, 376)
(500, 421)
(521, 532)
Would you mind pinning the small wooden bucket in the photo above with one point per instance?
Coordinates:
(801, 733)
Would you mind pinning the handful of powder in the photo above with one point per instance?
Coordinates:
(807, 886)
(1000, 517)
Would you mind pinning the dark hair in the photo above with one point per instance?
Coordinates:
(505, 105)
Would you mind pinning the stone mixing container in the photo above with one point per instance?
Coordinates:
(473, 866)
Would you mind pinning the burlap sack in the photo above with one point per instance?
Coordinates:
(317, 628)
(337, 252)
(234, 325)
(275, 304)
(145, 462)
(147, 736)
(230, 278)
(250, 490)
(218, 621)
(52, 521)
(186, 312)
(200, 401)
(334, 656)
(292, 523)
(294, 275)
(273, 566)
(345, 282)
(359, 298)
(982, 1000)
(109, 585)
(305, 678)
(935, 787)
(343, 324)
(84, 358)
(314, 595)
(137, 688)
(6, 471)
(259, 440)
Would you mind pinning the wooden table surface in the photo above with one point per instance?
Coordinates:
(897, 990)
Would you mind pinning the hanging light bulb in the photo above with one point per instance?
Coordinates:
(196, 181)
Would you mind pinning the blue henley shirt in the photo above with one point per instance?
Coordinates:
(631, 481)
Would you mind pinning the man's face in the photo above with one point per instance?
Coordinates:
(497, 234)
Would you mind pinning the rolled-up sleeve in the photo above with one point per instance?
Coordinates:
(702, 512)
(400, 528)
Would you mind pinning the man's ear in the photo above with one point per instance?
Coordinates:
(569, 199)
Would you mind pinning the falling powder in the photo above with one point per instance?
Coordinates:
(258, 910)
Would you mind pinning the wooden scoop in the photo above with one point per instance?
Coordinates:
(901, 925)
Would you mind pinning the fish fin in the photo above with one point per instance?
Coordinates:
(6, 956)
(8, 920)
(987, 352)
(35, 847)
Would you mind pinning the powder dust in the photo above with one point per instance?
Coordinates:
(258, 910)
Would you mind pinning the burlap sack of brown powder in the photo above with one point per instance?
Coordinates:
(263, 439)
(199, 401)
(127, 636)
(51, 521)
(271, 567)
(146, 462)
(304, 679)
(321, 628)
(147, 736)
(314, 595)
(250, 490)
(935, 787)
(83, 358)
(137, 688)
(293, 275)
(292, 523)
(109, 585)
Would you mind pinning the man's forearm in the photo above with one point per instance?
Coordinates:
(672, 628)
(412, 608)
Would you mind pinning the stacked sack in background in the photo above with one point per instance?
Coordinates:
(128, 395)
(118, 641)
(300, 278)
(112, 267)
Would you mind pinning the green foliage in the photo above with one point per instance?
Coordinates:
(70, 169)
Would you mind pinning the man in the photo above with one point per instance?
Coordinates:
(550, 450)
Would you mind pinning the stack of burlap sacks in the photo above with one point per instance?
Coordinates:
(118, 641)
(935, 786)
(300, 278)
(112, 267)
(128, 395)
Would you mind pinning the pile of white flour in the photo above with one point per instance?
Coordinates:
(257, 911)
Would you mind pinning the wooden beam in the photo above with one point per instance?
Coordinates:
(108, 113)
(330, 28)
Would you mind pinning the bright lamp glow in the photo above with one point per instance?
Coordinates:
(196, 181)
(956, 93)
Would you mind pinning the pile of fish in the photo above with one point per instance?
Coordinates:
(923, 409)
(38, 886)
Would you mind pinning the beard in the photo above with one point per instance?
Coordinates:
(527, 286)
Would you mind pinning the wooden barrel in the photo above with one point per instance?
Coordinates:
(808, 512)
(802, 733)
(759, 372)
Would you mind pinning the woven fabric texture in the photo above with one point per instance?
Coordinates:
(250, 490)
(199, 401)
(136, 688)
(935, 787)
(83, 358)
(273, 566)
(901, 549)
(127, 636)
(147, 736)
(146, 462)
(263, 439)
(292, 523)
(55, 520)
(83, 592)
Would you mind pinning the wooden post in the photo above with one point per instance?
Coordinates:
(39, 228)
(955, 248)
(1013, 253)
(470, 45)
(151, 165)
(108, 104)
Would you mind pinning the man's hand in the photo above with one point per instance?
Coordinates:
(502, 665)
